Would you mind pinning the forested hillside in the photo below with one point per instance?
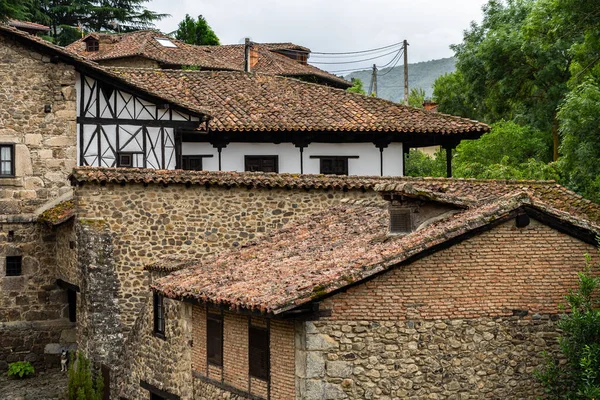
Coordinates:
(390, 81)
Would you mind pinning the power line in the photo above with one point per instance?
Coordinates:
(392, 67)
(355, 61)
(342, 56)
(359, 52)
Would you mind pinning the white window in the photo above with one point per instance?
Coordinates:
(165, 42)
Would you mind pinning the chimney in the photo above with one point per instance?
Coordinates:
(253, 55)
(247, 55)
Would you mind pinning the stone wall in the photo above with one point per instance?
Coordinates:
(149, 222)
(33, 309)
(232, 379)
(66, 253)
(45, 142)
(163, 363)
(469, 321)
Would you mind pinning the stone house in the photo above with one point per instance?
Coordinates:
(459, 300)
(61, 110)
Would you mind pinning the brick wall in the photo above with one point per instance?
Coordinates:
(235, 372)
(493, 274)
(470, 321)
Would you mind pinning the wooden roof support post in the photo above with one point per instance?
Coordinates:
(449, 160)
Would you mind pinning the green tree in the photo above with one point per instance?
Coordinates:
(16, 9)
(579, 120)
(197, 32)
(579, 377)
(416, 97)
(512, 66)
(357, 86)
(65, 16)
(418, 163)
(81, 384)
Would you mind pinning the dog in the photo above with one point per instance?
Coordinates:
(64, 358)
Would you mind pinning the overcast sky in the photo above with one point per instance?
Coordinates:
(430, 26)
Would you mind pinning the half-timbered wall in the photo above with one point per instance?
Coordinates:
(116, 128)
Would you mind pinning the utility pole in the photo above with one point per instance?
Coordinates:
(405, 73)
(374, 81)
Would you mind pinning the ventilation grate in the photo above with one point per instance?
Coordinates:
(400, 220)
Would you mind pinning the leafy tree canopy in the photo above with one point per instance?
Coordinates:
(197, 32)
(15, 9)
(416, 97)
(65, 16)
(357, 86)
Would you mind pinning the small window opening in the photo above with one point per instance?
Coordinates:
(259, 356)
(165, 42)
(400, 220)
(214, 339)
(11, 236)
(261, 163)
(72, 301)
(14, 265)
(129, 159)
(7, 160)
(159, 315)
(92, 45)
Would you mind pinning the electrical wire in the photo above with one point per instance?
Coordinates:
(359, 52)
(355, 61)
(392, 67)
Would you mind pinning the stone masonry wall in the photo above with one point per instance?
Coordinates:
(45, 142)
(33, 309)
(231, 379)
(149, 222)
(469, 321)
(163, 363)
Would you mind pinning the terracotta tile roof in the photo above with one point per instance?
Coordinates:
(255, 102)
(330, 250)
(75, 59)
(225, 57)
(464, 193)
(58, 214)
(28, 25)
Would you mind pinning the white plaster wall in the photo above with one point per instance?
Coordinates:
(368, 163)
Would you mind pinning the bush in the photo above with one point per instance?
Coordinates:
(21, 369)
(82, 386)
(579, 376)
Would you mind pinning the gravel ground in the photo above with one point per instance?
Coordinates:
(43, 386)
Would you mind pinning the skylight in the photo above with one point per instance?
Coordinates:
(165, 42)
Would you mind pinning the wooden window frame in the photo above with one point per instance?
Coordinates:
(130, 154)
(92, 45)
(334, 158)
(214, 318)
(249, 159)
(158, 308)
(185, 161)
(16, 266)
(255, 370)
(12, 160)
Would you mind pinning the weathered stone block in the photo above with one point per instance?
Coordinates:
(339, 369)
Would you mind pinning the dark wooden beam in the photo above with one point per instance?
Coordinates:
(138, 122)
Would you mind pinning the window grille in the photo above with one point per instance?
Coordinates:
(92, 45)
(400, 220)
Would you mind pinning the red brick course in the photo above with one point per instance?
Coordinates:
(493, 274)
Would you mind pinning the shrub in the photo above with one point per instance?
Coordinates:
(579, 376)
(82, 385)
(21, 369)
